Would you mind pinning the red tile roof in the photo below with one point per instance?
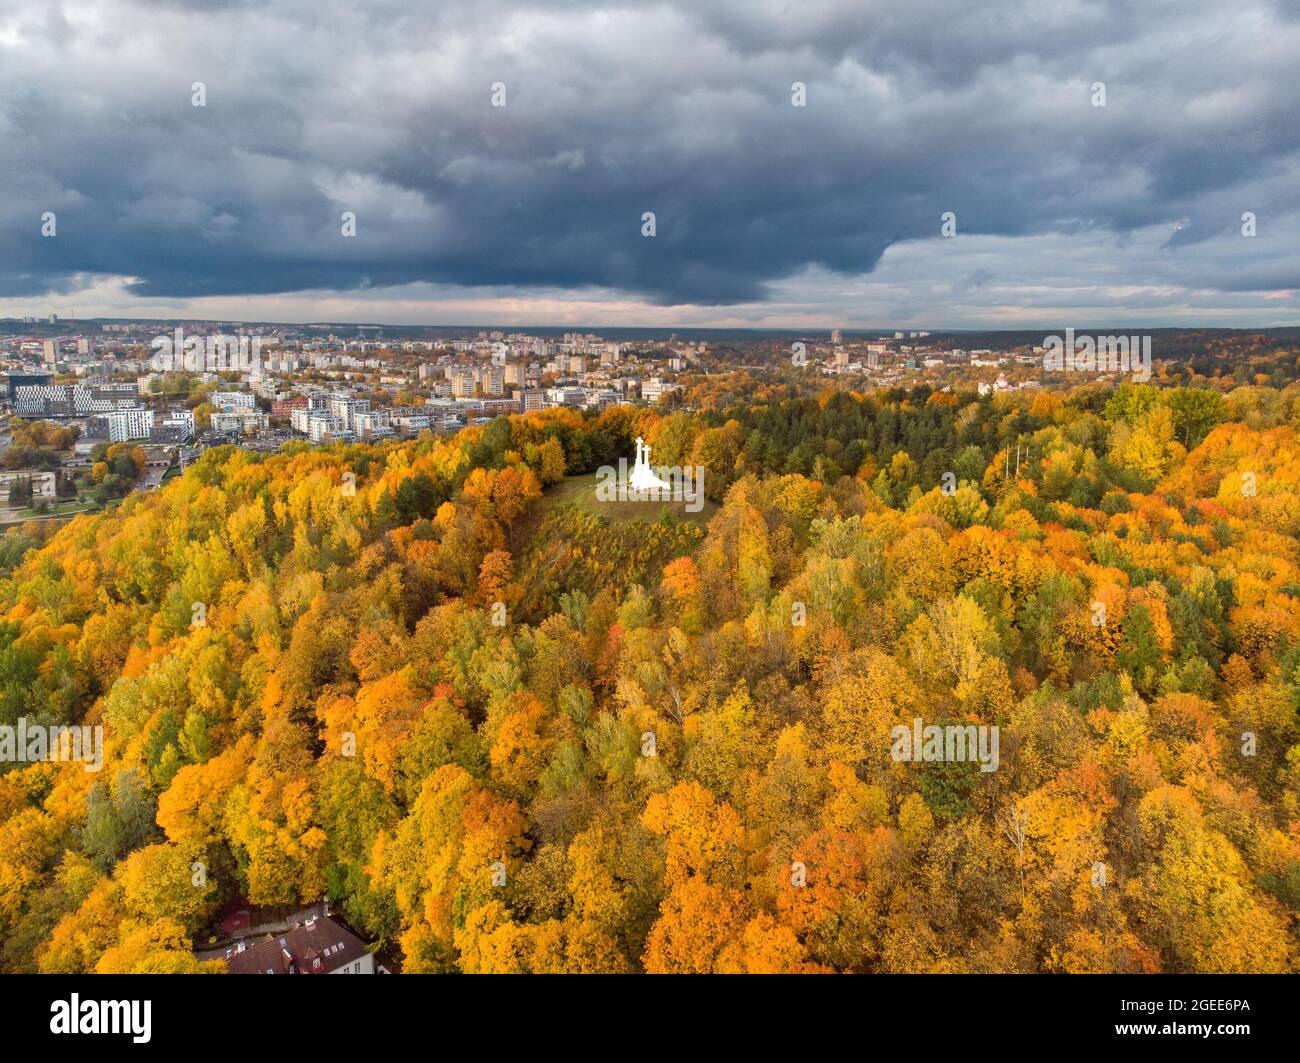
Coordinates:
(316, 947)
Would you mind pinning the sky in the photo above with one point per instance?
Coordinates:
(1094, 162)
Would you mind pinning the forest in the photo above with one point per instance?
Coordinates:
(505, 735)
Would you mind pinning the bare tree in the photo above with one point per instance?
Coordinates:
(1013, 823)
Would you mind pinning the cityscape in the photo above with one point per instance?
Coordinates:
(573, 490)
(172, 396)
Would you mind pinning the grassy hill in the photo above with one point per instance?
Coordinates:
(580, 491)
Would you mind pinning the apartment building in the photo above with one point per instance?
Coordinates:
(462, 383)
(233, 400)
(372, 424)
(240, 421)
(121, 426)
(344, 408)
(654, 389)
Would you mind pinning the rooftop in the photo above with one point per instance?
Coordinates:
(317, 946)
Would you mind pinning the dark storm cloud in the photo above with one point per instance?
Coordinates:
(681, 109)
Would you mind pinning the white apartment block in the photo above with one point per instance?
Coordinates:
(302, 419)
(123, 425)
(412, 421)
(371, 423)
(323, 429)
(239, 420)
(566, 396)
(232, 400)
(344, 408)
(654, 389)
(179, 419)
(317, 425)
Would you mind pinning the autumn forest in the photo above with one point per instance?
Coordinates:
(503, 732)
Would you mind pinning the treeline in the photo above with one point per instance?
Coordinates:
(504, 735)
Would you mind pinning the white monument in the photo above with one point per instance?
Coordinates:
(643, 477)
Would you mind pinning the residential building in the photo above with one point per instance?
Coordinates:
(121, 426)
(344, 408)
(566, 396)
(654, 389)
(319, 945)
(462, 383)
(240, 420)
(232, 400)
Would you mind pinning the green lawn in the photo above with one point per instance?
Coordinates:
(58, 510)
(580, 491)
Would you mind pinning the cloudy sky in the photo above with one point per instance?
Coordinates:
(767, 214)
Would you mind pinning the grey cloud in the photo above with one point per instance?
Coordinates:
(681, 108)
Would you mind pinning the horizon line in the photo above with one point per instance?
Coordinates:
(847, 330)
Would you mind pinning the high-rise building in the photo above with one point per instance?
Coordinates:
(343, 408)
(462, 383)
